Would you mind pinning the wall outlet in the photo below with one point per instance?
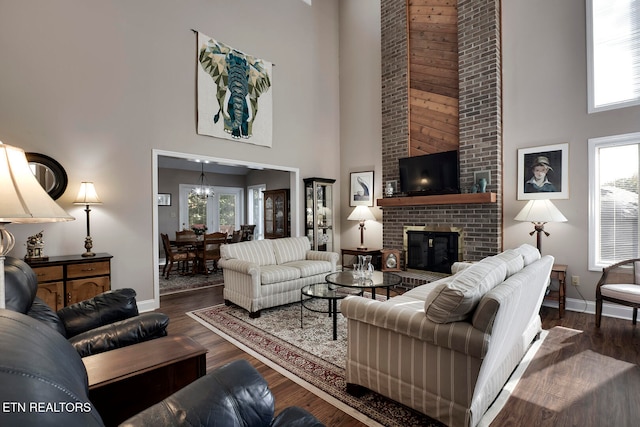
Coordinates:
(575, 280)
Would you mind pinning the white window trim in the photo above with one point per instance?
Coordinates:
(594, 186)
(591, 108)
(259, 233)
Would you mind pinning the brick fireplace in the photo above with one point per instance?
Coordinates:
(480, 126)
(432, 248)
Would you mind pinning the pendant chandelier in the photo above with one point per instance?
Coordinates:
(203, 190)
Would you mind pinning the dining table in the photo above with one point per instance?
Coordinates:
(196, 244)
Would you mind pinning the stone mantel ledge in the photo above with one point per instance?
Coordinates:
(443, 199)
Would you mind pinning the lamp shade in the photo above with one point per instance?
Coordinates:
(87, 195)
(361, 213)
(540, 211)
(22, 198)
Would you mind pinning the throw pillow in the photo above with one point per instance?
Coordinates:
(513, 260)
(455, 301)
(529, 253)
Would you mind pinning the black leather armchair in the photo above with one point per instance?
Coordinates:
(43, 382)
(107, 321)
(233, 395)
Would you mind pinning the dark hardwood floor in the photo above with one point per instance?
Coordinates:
(587, 377)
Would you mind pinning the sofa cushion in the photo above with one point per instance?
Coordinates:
(310, 268)
(270, 274)
(290, 249)
(257, 251)
(513, 260)
(529, 253)
(455, 300)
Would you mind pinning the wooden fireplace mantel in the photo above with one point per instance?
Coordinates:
(444, 199)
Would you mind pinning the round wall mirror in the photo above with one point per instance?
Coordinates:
(49, 173)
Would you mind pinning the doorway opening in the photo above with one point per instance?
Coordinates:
(263, 174)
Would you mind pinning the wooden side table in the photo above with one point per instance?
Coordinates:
(65, 280)
(124, 381)
(559, 272)
(376, 255)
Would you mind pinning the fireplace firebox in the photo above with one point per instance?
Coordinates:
(432, 250)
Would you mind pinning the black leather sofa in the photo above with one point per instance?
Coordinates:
(105, 322)
(43, 382)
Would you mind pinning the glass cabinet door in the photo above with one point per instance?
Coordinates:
(277, 214)
(319, 213)
(268, 214)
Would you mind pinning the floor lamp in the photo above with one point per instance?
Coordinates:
(539, 212)
(87, 196)
(22, 200)
(361, 213)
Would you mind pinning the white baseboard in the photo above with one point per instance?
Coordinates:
(582, 306)
(148, 305)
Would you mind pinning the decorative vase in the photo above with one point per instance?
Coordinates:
(482, 185)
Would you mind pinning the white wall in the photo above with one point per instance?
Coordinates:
(360, 111)
(545, 102)
(98, 84)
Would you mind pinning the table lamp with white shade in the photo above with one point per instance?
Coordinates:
(87, 196)
(362, 214)
(22, 201)
(539, 212)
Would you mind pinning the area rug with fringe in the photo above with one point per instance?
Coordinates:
(308, 355)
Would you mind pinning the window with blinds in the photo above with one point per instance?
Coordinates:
(613, 53)
(614, 164)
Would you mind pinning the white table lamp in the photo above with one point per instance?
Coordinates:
(362, 214)
(87, 196)
(22, 200)
(539, 212)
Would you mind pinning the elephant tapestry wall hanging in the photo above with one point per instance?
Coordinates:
(234, 93)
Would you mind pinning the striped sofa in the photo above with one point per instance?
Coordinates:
(446, 348)
(266, 273)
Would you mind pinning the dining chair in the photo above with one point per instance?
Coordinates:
(247, 232)
(619, 284)
(236, 236)
(172, 254)
(210, 251)
(185, 236)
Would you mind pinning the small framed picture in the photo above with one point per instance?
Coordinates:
(390, 188)
(543, 172)
(164, 199)
(361, 190)
(477, 176)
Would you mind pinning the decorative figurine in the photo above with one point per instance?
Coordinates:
(389, 189)
(35, 248)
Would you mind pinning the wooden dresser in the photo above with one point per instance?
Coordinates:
(64, 280)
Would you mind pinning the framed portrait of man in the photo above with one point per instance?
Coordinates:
(543, 172)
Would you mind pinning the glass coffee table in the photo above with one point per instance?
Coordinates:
(329, 292)
(379, 279)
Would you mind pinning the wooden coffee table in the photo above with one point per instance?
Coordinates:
(125, 381)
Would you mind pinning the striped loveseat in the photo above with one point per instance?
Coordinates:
(447, 348)
(266, 273)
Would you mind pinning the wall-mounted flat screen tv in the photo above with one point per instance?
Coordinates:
(431, 174)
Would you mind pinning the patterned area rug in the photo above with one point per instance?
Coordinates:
(316, 361)
(179, 283)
